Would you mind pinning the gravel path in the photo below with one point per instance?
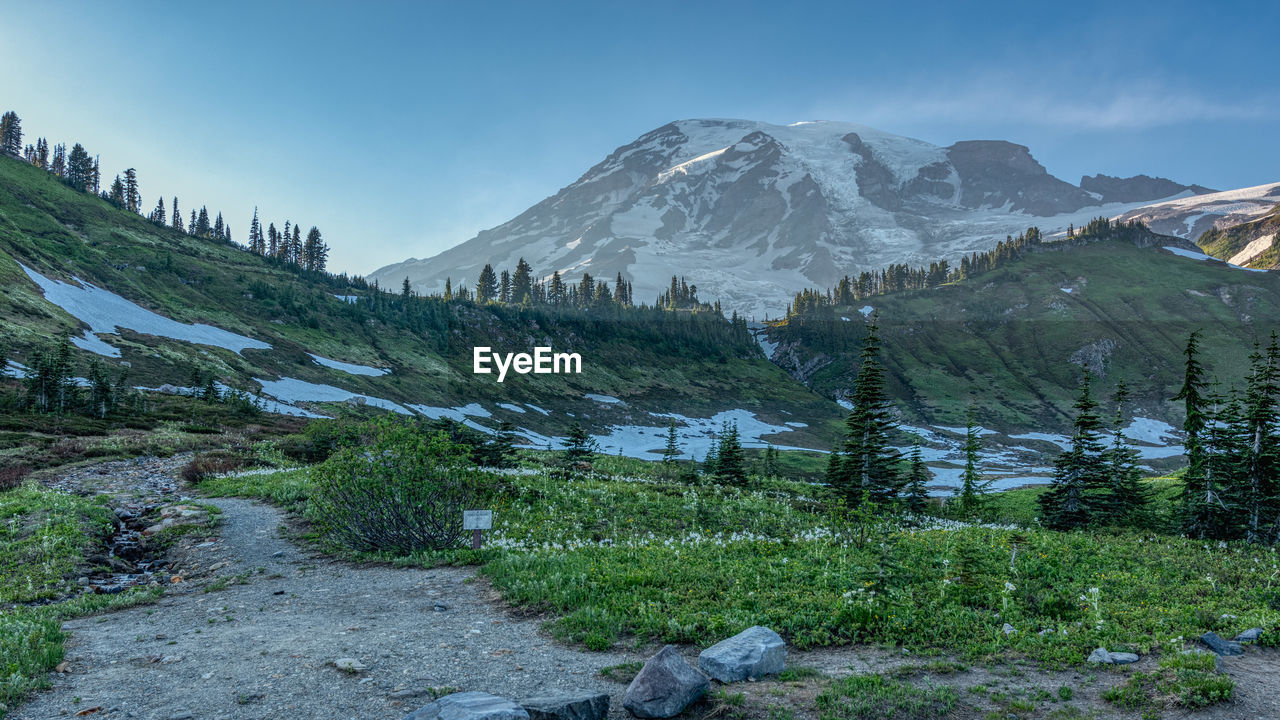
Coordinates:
(255, 629)
(264, 647)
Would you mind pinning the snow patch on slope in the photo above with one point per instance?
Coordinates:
(349, 368)
(106, 313)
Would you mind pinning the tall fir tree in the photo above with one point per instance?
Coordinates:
(869, 464)
(915, 496)
(1198, 494)
(730, 463)
(487, 285)
(671, 452)
(1260, 484)
(1128, 501)
(973, 488)
(11, 134)
(315, 254)
(522, 283)
(1079, 477)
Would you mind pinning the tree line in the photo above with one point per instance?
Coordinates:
(898, 278)
(82, 171)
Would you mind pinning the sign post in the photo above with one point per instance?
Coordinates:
(477, 521)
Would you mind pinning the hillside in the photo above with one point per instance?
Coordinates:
(758, 211)
(1251, 244)
(1012, 340)
(164, 304)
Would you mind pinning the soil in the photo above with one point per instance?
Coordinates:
(259, 625)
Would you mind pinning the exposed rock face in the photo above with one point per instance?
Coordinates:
(994, 173)
(752, 653)
(1135, 189)
(665, 686)
(755, 212)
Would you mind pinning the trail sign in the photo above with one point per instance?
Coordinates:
(477, 519)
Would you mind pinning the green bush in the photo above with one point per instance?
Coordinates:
(403, 491)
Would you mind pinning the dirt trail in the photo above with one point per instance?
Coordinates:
(263, 645)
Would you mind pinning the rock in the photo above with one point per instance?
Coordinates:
(1220, 646)
(1009, 630)
(1102, 656)
(350, 665)
(470, 706)
(586, 706)
(277, 554)
(752, 653)
(664, 687)
(1250, 635)
(440, 607)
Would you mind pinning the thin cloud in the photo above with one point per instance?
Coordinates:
(1115, 108)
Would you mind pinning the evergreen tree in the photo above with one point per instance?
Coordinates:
(504, 288)
(42, 154)
(158, 215)
(522, 283)
(973, 489)
(730, 465)
(177, 215)
(1080, 476)
(295, 246)
(273, 241)
(671, 453)
(257, 243)
(1260, 490)
(58, 166)
(772, 465)
(1198, 494)
(487, 285)
(132, 193)
(1128, 497)
(100, 390)
(116, 194)
(80, 169)
(915, 493)
(315, 254)
(870, 463)
(448, 287)
(219, 229)
(579, 446)
(10, 134)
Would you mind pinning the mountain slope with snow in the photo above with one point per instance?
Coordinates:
(1191, 217)
(753, 212)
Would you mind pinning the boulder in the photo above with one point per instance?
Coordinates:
(1102, 656)
(664, 687)
(752, 653)
(583, 706)
(1221, 646)
(469, 706)
(1009, 630)
(1250, 635)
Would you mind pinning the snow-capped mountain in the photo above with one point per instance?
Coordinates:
(753, 212)
(1191, 217)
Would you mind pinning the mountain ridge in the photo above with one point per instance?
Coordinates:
(758, 211)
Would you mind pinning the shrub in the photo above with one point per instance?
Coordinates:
(11, 476)
(218, 462)
(404, 491)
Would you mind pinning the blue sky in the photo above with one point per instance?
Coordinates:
(403, 128)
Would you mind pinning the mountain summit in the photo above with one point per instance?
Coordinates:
(753, 212)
